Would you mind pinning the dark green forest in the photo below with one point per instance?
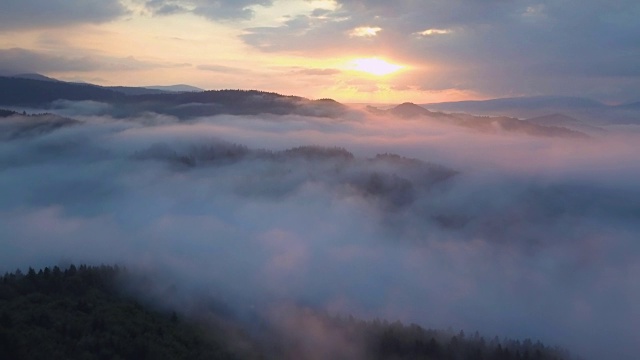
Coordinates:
(78, 313)
(6, 113)
(83, 313)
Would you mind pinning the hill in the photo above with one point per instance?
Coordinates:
(566, 122)
(34, 76)
(79, 313)
(409, 110)
(83, 313)
(533, 103)
(29, 92)
(587, 110)
(128, 101)
(175, 88)
(488, 124)
(129, 90)
(150, 90)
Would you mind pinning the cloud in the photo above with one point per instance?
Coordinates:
(433, 32)
(535, 12)
(17, 60)
(57, 13)
(318, 72)
(221, 69)
(317, 30)
(213, 10)
(499, 48)
(365, 31)
(503, 233)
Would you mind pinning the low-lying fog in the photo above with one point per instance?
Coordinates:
(507, 234)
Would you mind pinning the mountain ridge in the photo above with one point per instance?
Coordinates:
(133, 101)
(524, 101)
(409, 110)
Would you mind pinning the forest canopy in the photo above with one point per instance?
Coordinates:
(85, 313)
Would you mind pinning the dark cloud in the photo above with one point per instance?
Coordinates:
(53, 13)
(499, 48)
(213, 10)
(312, 33)
(16, 60)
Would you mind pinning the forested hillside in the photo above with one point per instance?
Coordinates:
(80, 313)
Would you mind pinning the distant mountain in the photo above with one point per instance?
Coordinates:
(128, 90)
(152, 90)
(503, 123)
(34, 76)
(234, 102)
(634, 105)
(567, 122)
(175, 88)
(29, 92)
(554, 119)
(535, 102)
(523, 107)
(482, 123)
(128, 101)
(409, 110)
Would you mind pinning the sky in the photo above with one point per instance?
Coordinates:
(349, 50)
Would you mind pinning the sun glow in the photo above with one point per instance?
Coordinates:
(375, 66)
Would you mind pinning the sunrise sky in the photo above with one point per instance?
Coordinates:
(349, 50)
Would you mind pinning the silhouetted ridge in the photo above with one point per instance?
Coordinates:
(489, 124)
(409, 110)
(35, 76)
(565, 121)
(234, 102)
(29, 92)
(553, 119)
(175, 88)
(131, 101)
(132, 91)
(7, 113)
(532, 102)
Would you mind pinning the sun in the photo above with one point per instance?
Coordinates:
(375, 66)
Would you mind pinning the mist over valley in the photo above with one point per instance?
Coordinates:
(282, 208)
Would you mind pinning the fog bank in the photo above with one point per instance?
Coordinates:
(508, 234)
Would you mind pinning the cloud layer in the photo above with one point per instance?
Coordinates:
(213, 10)
(26, 14)
(16, 61)
(496, 47)
(507, 234)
